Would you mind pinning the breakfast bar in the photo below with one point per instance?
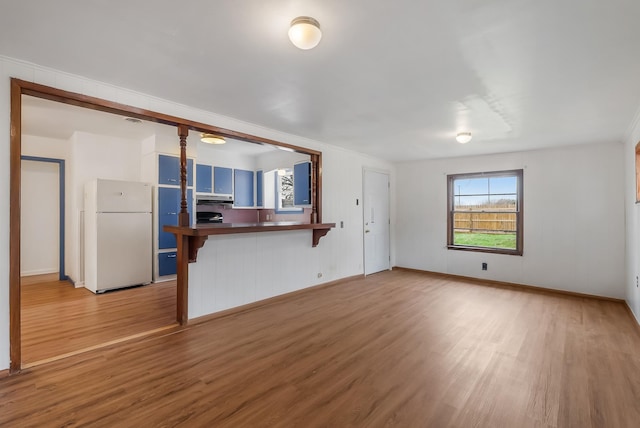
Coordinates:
(196, 236)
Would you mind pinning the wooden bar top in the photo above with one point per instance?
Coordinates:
(198, 235)
(228, 228)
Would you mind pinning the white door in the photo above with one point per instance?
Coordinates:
(376, 222)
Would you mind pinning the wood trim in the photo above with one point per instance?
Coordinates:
(14, 229)
(491, 282)
(637, 163)
(233, 228)
(182, 279)
(66, 97)
(318, 189)
(4, 373)
(270, 301)
(519, 213)
(161, 331)
(183, 217)
(196, 234)
(21, 87)
(314, 192)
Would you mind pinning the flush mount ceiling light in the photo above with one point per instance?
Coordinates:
(212, 139)
(463, 137)
(305, 32)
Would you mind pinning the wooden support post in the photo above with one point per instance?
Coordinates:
(183, 217)
(314, 189)
(182, 280)
(182, 244)
(15, 352)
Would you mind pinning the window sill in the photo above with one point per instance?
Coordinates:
(485, 250)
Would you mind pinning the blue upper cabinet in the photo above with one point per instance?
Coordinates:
(222, 179)
(169, 170)
(259, 189)
(203, 179)
(190, 173)
(243, 190)
(302, 184)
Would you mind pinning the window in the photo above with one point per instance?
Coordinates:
(485, 212)
(284, 192)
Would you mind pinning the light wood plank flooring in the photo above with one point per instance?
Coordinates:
(398, 349)
(58, 319)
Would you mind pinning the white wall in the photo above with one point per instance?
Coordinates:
(632, 222)
(208, 154)
(95, 156)
(39, 218)
(279, 159)
(339, 253)
(573, 219)
(240, 269)
(54, 148)
(87, 156)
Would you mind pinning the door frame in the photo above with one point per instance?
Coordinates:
(364, 193)
(22, 87)
(62, 275)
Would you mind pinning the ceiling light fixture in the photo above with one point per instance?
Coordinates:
(212, 139)
(305, 32)
(463, 137)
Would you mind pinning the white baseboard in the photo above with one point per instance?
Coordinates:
(636, 316)
(38, 272)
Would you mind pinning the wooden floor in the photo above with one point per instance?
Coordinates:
(399, 349)
(58, 319)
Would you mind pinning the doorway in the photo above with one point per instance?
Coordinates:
(42, 234)
(376, 221)
(58, 319)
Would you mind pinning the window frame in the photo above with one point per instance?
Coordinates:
(638, 173)
(278, 194)
(518, 173)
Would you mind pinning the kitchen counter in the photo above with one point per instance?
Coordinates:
(198, 235)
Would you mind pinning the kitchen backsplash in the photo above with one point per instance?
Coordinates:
(233, 215)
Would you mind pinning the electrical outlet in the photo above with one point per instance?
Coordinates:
(319, 274)
(342, 225)
(484, 266)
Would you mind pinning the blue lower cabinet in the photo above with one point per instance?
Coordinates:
(168, 209)
(167, 263)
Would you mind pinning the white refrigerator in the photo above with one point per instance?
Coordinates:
(117, 234)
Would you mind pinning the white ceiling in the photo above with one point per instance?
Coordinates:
(393, 79)
(52, 119)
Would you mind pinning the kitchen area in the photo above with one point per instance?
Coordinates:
(121, 188)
